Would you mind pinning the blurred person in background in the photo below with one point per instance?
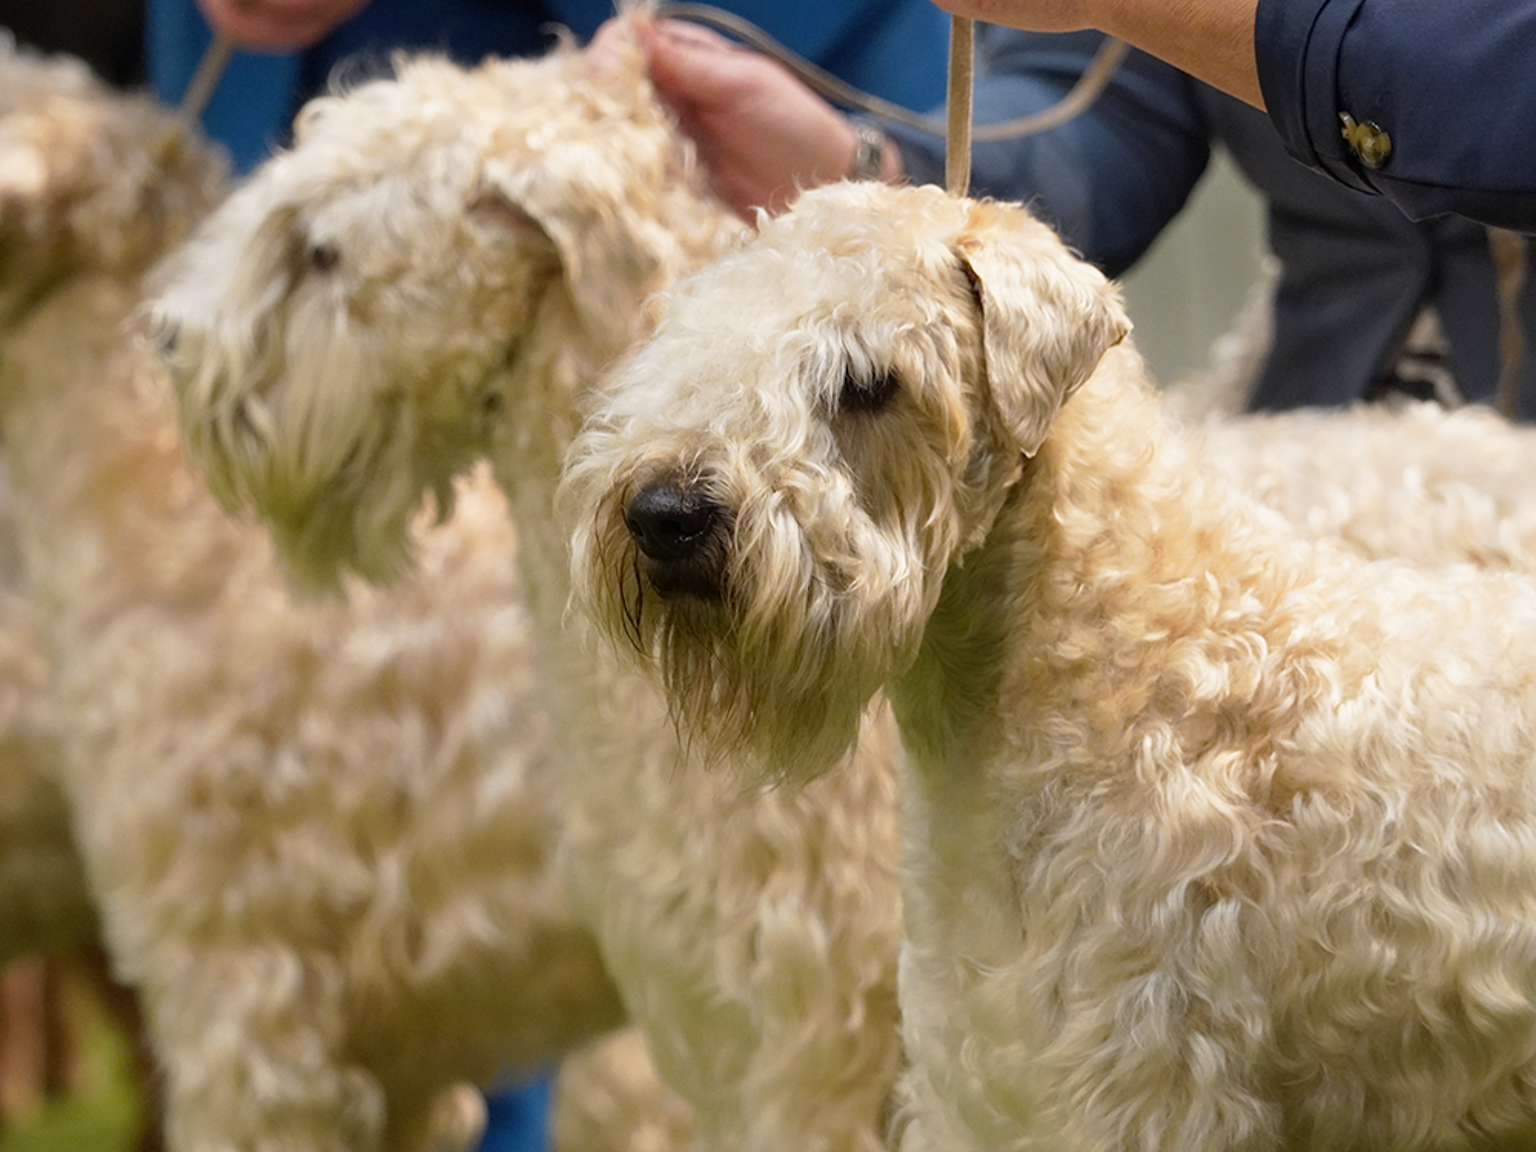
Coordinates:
(1368, 302)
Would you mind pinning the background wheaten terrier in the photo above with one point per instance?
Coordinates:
(320, 835)
(45, 901)
(1216, 838)
(438, 269)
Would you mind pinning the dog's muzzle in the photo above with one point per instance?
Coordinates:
(682, 535)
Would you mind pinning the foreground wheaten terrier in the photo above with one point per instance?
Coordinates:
(1216, 838)
(320, 835)
(438, 269)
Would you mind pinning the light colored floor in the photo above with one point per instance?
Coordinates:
(1187, 290)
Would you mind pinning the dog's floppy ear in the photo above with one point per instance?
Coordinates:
(578, 194)
(1046, 317)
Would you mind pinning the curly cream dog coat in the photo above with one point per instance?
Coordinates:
(1216, 837)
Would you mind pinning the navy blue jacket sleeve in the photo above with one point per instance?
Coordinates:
(1108, 181)
(1445, 90)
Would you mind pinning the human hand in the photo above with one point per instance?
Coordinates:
(761, 134)
(276, 25)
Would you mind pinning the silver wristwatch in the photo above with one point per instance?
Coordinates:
(869, 156)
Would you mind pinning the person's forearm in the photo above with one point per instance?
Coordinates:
(1209, 39)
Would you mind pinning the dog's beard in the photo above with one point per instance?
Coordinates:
(771, 718)
(774, 676)
(772, 671)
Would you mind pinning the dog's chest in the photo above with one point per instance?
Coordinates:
(955, 865)
(969, 994)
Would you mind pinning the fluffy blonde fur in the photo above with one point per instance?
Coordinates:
(1216, 837)
(45, 901)
(320, 835)
(52, 104)
(1410, 479)
(439, 268)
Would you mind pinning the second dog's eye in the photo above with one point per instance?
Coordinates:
(867, 392)
(323, 257)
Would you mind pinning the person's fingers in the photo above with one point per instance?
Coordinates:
(277, 24)
(691, 64)
(614, 42)
(687, 34)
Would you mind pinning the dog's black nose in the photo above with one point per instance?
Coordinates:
(681, 534)
(669, 523)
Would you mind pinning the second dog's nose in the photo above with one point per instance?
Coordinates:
(669, 523)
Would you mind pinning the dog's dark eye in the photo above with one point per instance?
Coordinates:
(867, 392)
(167, 340)
(323, 257)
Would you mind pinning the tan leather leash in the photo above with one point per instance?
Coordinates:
(1078, 98)
(962, 78)
(200, 89)
(1511, 262)
(205, 80)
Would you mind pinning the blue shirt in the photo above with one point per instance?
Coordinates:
(896, 49)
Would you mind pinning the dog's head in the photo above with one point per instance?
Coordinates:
(90, 179)
(773, 489)
(376, 306)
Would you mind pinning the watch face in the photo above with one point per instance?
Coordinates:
(869, 156)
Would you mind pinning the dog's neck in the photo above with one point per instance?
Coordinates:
(951, 688)
(1053, 597)
(543, 392)
(556, 371)
(1116, 545)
